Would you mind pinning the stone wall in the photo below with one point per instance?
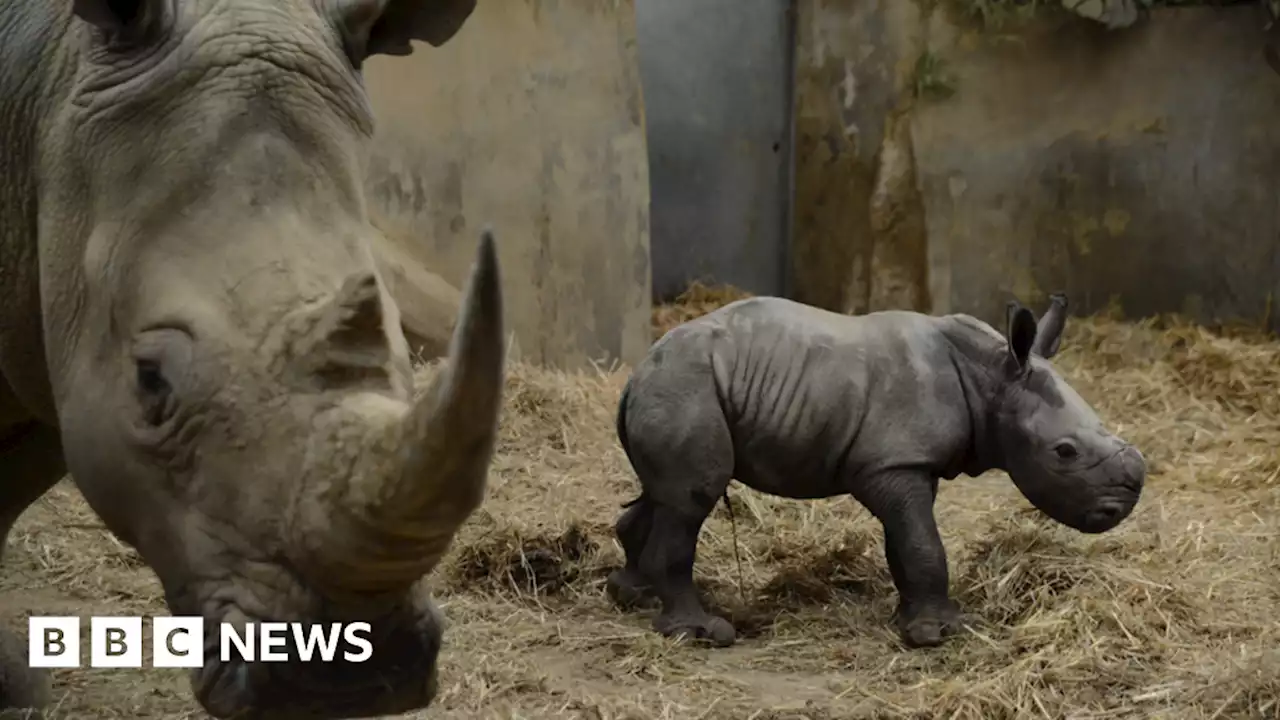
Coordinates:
(531, 120)
(854, 61)
(949, 166)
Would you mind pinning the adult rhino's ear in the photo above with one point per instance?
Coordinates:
(387, 27)
(1049, 331)
(1020, 329)
(342, 341)
(130, 19)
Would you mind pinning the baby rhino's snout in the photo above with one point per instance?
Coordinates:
(1126, 473)
(1133, 469)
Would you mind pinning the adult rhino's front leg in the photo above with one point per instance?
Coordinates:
(903, 503)
(31, 458)
(24, 691)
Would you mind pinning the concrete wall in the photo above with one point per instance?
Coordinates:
(1141, 164)
(854, 61)
(531, 119)
(717, 81)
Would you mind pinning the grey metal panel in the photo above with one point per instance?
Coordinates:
(716, 76)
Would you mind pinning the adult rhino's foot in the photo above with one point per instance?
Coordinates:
(699, 626)
(23, 690)
(630, 590)
(928, 625)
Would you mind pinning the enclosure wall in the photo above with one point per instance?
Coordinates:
(717, 81)
(531, 120)
(946, 165)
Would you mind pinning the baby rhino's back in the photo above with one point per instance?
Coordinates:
(799, 386)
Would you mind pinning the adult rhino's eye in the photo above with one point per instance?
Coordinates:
(154, 390)
(162, 368)
(1065, 451)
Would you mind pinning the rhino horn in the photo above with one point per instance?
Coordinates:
(449, 437)
(425, 473)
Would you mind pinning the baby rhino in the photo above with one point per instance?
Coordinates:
(803, 403)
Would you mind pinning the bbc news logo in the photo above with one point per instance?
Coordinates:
(178, 642)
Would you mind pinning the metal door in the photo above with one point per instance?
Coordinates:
(717, 86)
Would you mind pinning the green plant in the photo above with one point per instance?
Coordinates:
(932, 81)
(996, 14)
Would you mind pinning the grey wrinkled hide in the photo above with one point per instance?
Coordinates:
(195, 329)
(802, 403)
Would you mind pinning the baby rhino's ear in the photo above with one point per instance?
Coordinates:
(1020, 330)
(1049, 331)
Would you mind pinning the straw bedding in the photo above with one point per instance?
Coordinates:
(1176, 614)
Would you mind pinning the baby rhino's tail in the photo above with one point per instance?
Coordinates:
(621, 424)
(622, 418)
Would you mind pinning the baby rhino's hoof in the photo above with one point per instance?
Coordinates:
(928, 628)
(628, 590)
(704, 628)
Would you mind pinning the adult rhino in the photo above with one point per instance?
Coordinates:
(194, 328)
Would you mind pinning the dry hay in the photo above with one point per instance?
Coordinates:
(1173, 615)
(699, 299)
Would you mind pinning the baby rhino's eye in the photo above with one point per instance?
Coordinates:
(1065, 450)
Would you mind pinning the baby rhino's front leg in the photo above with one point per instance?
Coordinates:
(903, 502)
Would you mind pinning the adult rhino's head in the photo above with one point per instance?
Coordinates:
(1052, 443)
(232, 380)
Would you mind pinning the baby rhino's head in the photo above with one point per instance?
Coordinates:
(1053, 444)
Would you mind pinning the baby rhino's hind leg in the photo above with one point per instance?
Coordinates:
(680, 447)
(668, 559)
(628, 587)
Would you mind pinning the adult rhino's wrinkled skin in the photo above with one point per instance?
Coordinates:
(799, 402)
(193, 326)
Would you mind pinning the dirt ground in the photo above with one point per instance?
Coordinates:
(1176, 614)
